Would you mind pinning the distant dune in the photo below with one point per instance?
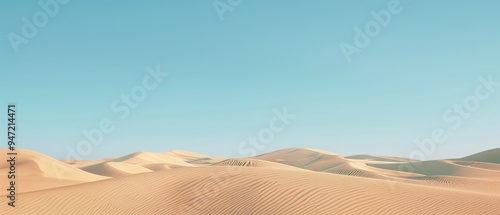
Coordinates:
(248, 162)
(135, 163)
(490, 156)
(288, 181)
(115, 169)
(322, 161)
(305, 158)
(140, 158)
(440, 167)
(379, 158)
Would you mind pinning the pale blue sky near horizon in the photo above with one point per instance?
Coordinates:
(226, 77)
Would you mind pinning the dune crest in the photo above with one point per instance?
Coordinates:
(36, 171)
(288, 181)
(115, 169)
(139, 162)
(489, 156)
(211, 190)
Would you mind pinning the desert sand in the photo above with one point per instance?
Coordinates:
(288, 181)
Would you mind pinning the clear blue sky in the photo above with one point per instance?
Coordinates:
(227, 76)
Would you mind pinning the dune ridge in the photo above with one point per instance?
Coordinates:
(36, 171)
(489, 156)
(251, 191)
(288, 181)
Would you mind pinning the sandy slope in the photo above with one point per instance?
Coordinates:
(379, 158)
(441, 167)
(458, 175)
(288, 181)
(140, 158)
(115, 169)
(482, 165)
(489, 156)
(305, 158)
(248, 162)
(140, 162)
(218, 190)
(36, 171)
(322, 161)
(84, 163)
(194, 158)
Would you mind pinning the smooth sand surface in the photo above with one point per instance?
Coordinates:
(248, 162)
(288, 181)
(139, 162)
(489, 156)
(36, 171)
(379, 158)
(84, 163)
(115, 169)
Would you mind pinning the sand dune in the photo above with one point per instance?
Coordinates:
(475, 176)
(139, 162)
(36, 171)
(379, 158)
(288, 181)
(305, 158)
(457, 183)
(214, 190)
(247, 162)
(440, 167)
(194, 158)
(318, 160)
(158, 166)
(206, 161)
(185, 155)
(115, 169)
(151, 157)
(84, 163)
(482, 165)
(489, 156)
